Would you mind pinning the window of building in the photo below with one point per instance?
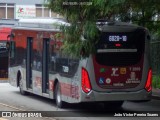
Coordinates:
(46, 12)
(10, 12)
(2, 10)
(38, 12)
(42, 11)
(6, 10)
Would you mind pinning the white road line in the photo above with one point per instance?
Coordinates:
(12, 107)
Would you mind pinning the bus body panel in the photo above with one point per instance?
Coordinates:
(124, 77)
(96, 96)
(13, 71)
(36, 73)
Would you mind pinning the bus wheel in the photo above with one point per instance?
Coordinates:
(59, 102)
(21, 87)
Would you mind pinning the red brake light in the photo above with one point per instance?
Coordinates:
(148, 85)
(86, 85)
(118, 45)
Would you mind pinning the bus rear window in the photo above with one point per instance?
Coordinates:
(119, 49)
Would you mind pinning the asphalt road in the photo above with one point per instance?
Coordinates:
(11, 97)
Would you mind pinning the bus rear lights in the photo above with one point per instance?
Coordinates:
(86, 85)
(148, 85)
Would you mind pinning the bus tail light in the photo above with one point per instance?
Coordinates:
(148, 85)
(86, 85)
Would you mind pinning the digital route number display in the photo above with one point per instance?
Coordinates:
(117, 38)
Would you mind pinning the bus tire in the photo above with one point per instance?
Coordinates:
(21, 87)
(58, 98)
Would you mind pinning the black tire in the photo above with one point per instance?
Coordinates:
(21, 87)
(58, 98)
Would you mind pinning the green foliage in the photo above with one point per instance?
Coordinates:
(145, 12)
(77, 39)
(156, 81)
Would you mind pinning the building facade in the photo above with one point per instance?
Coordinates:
(16, 9)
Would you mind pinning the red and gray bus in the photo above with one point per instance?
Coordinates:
(120, 69)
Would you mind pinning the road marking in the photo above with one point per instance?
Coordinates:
(12, 107)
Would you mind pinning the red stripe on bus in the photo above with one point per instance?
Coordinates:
(66, 89)
(70, 90)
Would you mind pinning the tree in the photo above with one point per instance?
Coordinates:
(83, 14)
(144, 12)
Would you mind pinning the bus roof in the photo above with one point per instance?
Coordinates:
(116, 26)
